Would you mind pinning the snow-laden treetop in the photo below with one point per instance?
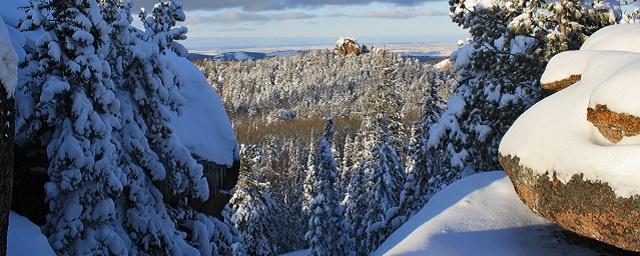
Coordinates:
(8, 60)
(555, 135)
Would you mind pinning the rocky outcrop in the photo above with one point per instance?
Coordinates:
(588, 208)
(613, 126)
(561, 84)
(221, 180)
(349, 46)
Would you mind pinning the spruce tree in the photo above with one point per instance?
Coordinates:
(74, 102)
(252, 207)
(329, 233)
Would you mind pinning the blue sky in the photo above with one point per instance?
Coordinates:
(262, 23)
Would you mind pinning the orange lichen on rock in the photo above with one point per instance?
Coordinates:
(613, 126)
(585, 207)
(564, 83)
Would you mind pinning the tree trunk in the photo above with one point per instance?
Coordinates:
(6, 163)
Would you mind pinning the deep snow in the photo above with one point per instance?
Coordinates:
(203, 126)
(25, 238)
(478, 215)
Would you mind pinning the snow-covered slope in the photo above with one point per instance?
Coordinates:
(478, 215)
(25, 238)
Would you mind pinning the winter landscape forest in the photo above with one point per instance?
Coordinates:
(185, 127)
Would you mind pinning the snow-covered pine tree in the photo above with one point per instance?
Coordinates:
(347, 162)
(562, 25)
(252, 207)
(386, 105)
(149, 150)
(310, 191)
(75, 104)
(228, 239)
(384, 172)
(356, 198)
(382, 166)
(160, 26)
(329, 232)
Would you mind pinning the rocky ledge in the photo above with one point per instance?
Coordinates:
(588, 208)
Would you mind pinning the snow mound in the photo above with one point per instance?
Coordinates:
(25, 238)
(554, 135)
(203, 126)
(478, 215)
(619, 37)
(8, 60)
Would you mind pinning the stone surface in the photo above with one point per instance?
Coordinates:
(585, 207)
(613, 126)
(564, 83)
(348, 46)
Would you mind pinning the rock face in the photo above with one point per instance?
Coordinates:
(561, 84)
(613, 126)
(349, 46)
(588, 208)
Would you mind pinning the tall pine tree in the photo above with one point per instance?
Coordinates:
(329, 232)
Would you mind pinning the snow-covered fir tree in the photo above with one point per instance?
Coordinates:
(251, 207)
(102, 92)
(75, 104)
(562, 25)
(329, 232)
(310, 190)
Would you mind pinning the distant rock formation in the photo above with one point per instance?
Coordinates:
(573, 156)
(347, 46)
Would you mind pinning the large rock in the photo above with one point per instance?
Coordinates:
(573, 158)
(349, 46)
(589, 208)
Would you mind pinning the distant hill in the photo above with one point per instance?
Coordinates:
(243, 55)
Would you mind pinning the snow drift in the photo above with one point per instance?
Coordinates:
(478, 215)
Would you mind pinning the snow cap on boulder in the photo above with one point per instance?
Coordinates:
(573, 157)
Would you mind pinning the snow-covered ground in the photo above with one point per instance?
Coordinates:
(25, 238)
(478, 215)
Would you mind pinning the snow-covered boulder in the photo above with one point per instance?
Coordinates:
(478, 215)
(573, 157)
(348, 45)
